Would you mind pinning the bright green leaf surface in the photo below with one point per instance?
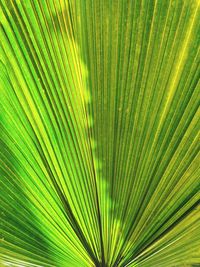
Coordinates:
(99, 121)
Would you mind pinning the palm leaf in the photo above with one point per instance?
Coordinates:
(99, 136)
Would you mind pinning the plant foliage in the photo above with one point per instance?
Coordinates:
(99, 120)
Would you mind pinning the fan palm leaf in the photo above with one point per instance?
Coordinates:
(99, 121)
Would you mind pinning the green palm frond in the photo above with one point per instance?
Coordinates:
(99, 121)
